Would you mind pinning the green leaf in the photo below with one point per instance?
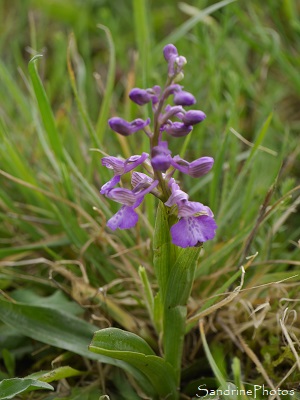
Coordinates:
(177, 293)
(190, 23)
(9, 361)
(9, 388)
(181, 277)
(106, 101)
(114, 338)
(45, 110)
(164, 250)
(49, 326)
(135, 351)
(56, 374)
(59, 329)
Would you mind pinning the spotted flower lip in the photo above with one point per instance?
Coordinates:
(126, 128)
(196, 224)
(196, 168)
(193, 231)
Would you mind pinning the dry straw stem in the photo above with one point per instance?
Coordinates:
(288, 337)
(256, 361)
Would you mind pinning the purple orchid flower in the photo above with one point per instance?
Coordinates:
(125, 128)
(196, 224)
(196, 168)
(126, 217)
(120, 167)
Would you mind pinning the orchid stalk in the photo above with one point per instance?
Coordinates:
(182, 226)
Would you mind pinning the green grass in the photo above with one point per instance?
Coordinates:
(55, 251)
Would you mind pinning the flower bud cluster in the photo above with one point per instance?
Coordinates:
(195, 221)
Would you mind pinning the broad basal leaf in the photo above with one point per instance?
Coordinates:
(135, 351)
(10, 388)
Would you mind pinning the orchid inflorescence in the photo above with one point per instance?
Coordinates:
(196, 223)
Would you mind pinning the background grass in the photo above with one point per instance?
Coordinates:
(243, 68)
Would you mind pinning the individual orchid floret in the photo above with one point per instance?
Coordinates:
(196, 224)
(177, 129)
(140, 96)
(196, 168)
(184, 98)
(120, 167)
(139, 177)
(125, 128)
(170, 51)
(161, 157)
(175, 62)
(193, 117)
(126, 217)
(144, 96)
(193, 230)
(175, 111)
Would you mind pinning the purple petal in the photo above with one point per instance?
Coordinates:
(193, 117)
(114, 163)
(126, 128)
(138, 177)
(176, 197)
(160, 157)
(196, 168)
(144, 188)
(171, 112)
(161, 162)
(183, 98)
(140, 96)
(170, 51)
(133, 161)
(192, 231)
(201, 166)
(110, 184)
(122, 195)
(125, 218)
(177, 129)
(191, 208)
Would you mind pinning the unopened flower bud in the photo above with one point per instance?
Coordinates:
(184, 98)
(140, 96)
(170, 51)
(193, 117)
(125, 128)
(161, 157)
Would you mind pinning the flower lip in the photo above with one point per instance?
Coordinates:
(192, 231)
